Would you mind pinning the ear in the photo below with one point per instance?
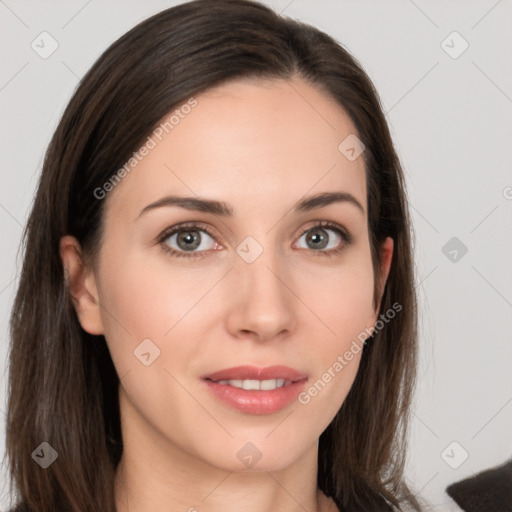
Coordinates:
(82, 286)
(386, 256)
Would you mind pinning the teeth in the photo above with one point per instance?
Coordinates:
(251, 384)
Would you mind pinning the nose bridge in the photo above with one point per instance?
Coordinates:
(264, 304)
(260, 269)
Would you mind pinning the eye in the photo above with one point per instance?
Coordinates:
(325, 238)
(187, 240)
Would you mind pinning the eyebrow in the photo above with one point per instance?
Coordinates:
(223, 209)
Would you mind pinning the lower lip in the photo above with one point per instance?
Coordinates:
(256, 401)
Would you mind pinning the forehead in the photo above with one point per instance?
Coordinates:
(251, 142)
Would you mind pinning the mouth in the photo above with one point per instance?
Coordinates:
(253, 384)
(256, 390)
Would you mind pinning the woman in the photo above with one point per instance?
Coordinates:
(216, 309)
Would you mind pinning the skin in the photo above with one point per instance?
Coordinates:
(260, 147)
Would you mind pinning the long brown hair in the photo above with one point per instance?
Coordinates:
(63, 387)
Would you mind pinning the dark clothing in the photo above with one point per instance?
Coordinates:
(488, 491)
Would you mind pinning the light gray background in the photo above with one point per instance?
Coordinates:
(451, 120)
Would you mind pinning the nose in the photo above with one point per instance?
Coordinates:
(263, 305)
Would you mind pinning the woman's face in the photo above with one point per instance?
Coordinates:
(248, 288)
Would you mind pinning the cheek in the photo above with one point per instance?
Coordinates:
(346, 313)
(342, 301)
(341, 297)
(149, 311)
(148, 296)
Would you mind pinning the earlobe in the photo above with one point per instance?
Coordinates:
(81, 283)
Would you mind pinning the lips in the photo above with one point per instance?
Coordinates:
(255, 373)
(255, 390)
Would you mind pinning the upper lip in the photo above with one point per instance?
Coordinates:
(255, 373)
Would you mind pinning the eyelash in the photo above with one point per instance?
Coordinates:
(345, 236)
